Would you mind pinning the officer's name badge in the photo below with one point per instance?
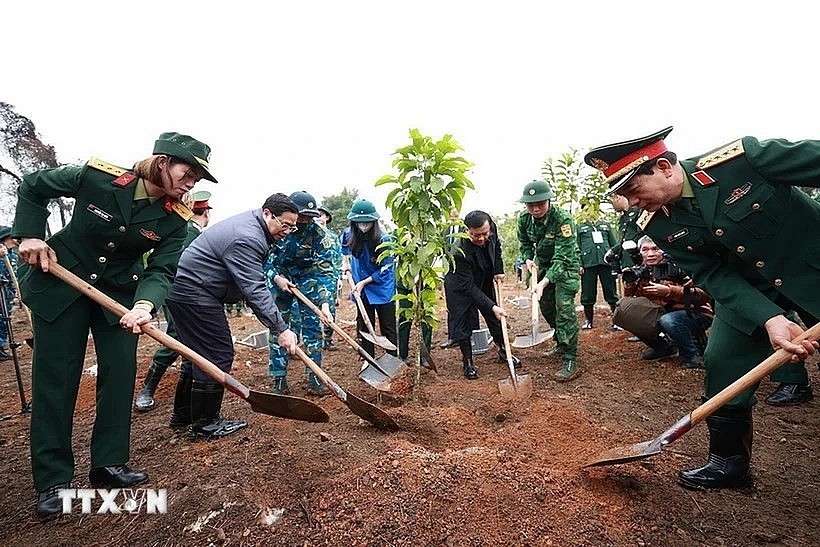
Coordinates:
(566, 230)
(150, 234)
(738, 193)
(100, 213)
(677, 235)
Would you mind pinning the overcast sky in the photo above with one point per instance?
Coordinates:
(317, 95)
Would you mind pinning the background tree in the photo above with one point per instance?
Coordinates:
(22, 151)
(339, 206)
(508, 234)
(579, 189)
(430, 182)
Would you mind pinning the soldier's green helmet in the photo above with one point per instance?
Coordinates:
(305, 203)
(536, 191)
(363, 211)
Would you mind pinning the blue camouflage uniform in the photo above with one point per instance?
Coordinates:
(305, 258)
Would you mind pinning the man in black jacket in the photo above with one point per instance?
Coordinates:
(469, 286)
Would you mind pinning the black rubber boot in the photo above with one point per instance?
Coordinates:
(660, 349)
(589, 313)
(730, 452)
(206, 423)
(470, 372)
(181, 417)
(145, 397)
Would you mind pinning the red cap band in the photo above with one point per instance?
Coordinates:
(651, 151)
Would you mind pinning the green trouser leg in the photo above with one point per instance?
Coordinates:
(557, 305)
(791, 373)
(56, 370)
(729, 355)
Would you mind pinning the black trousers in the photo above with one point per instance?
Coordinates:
(387, 322)
(205, 330)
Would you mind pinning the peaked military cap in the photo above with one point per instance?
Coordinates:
(306, 203)
(536, 191)
(201, 200)
(620, 161)
(186, 148)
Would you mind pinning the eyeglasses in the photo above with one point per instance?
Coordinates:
(288, 227)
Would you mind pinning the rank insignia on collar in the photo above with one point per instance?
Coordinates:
(703, 178)
(124, 179)
(150, 234)
(738, 193)
(677, 235)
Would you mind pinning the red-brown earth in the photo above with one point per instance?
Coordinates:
(466, 468)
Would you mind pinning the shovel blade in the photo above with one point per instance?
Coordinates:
(371, 413)
(530, 340)
(375, 378)
(380, 341)
(391, 365)
(520, 389)
(624, 454)
(285, 406)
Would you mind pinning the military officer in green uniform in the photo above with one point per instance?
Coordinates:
(732, 217)
(624, 254)
(164, 357)
(119, 216)
(547, 238)
(595, 237)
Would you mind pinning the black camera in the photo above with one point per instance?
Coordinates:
(665, 270)
(633, 274)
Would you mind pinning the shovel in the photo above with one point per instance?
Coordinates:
(623, 454)
(29, 341)
(370, 335)
(536, 336)
(282, 406)
(363, 409)
(379, 372)
(516, 386)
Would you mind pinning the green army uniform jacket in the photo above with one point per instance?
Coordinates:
(751, 242)
(103, 244)
(593, 247)
(551, 243)
(193, 231)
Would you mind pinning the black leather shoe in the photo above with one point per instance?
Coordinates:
(789, 394)
(49, 505)
(470, 372)
(116, 476)
(450, 343)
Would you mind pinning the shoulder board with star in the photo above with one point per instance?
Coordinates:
(644, 219)
(723, 154)
(176, 206)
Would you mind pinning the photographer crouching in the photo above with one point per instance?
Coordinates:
(661, 299)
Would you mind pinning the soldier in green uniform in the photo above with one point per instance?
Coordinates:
(595, 237)
(119, 216)
(547, 238)
(164, 357)
(731, 217)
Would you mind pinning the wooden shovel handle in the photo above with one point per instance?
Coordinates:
(362, 309)
(506, 335)
(766, 367)
(225, 379)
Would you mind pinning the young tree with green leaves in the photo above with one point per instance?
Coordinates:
(430, 182)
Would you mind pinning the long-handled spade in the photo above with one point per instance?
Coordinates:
(379, 372)
(517, 385)
(536, 336)
(370, 335)
(282, 406)
(623, 454)
(363, 409)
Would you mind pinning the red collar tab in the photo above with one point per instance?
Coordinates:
(703, 178)
(650, 151)
(124, 179)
